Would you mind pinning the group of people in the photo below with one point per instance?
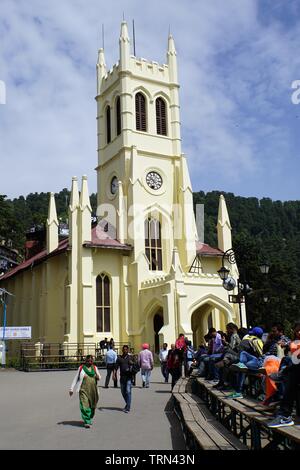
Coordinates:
(174, 360)
(225, 358)
(87, 376)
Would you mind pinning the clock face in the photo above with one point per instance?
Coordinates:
(114, 185)
(154, 180)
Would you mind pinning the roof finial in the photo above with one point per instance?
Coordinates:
(102, 36)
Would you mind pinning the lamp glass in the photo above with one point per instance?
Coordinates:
(264, 267)
(223, 273)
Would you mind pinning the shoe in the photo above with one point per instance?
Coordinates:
(147, 385)
(238, 366)
(235, 395)
(280, 422)
(144, 384)
(87, 426)
(218, 385)
(106, 386)
(213, 381)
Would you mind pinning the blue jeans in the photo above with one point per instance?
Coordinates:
(251, 362)
(165, 371)
(146, 375)
(213, 372)
(126, 385)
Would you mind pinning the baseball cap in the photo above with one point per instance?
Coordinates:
(257, 331)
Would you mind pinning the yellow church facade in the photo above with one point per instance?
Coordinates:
(140, 274)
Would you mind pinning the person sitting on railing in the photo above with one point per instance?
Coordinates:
(188, 358)
(231, 355)
(218, 341)
(202, 366)
(273, 351)
(291, 389)
(251, 353)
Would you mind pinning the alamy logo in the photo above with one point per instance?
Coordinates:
(296, 95)
(2, 92)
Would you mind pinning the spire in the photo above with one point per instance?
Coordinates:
(101, 69)
(52, 226)
(84, 195)
(223, 226)
(85, 231)
(74, 200)
(172, 59)
(124, 42)
(73, 213)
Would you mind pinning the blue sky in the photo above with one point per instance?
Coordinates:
(237, 61)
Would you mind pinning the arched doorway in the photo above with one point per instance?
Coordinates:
(158, 323)
(205, 317)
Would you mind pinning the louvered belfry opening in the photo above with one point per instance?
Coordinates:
(103, 303)
(140, 112)
(118, 116)
(153, 245)
(161, 117)
(108, 125)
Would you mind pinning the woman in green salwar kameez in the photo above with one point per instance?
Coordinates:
(86, 381)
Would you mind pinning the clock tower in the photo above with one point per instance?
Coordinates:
(143, 179)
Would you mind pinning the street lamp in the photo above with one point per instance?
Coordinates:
(264, 267)
(229, 283)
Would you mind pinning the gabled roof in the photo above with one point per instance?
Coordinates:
(100, 239)
(205, 250)
(36, 259)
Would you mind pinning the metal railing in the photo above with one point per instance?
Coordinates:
(57, 356)
(62, 356)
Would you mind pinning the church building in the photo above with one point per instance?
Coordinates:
(140, 274)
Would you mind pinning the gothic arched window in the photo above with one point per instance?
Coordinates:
(140, 112)
(118, 116)
(103, 307)
(161, 116)
(153, 245)
(108, 125)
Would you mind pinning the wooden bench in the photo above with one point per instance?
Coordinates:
(247, 419)
(201, 429)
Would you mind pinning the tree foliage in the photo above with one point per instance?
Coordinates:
(261, 229)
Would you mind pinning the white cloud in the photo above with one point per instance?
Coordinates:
(234, 74)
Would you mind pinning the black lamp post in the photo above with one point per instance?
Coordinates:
(229, 283)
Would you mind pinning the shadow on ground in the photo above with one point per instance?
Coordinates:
(178, 442)
(77, 424)
(111, 408)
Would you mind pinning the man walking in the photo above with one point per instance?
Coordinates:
(163, 357)
(125, 363)
(110, 360)
(145, 361)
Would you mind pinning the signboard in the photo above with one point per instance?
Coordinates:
(236, 299)
(16, 332)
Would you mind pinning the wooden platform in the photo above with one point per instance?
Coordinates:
(246, 418)
(201, 429)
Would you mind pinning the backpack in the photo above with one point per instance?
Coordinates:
(250, 345)
(135, 368)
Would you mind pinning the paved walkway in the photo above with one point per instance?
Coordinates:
(36, 412)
